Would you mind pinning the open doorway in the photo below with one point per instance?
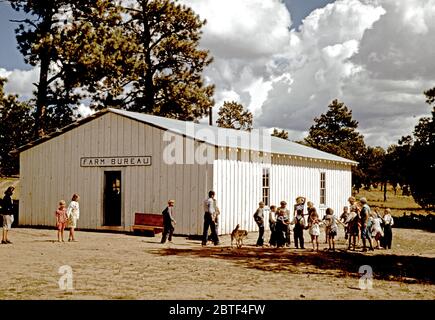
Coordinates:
(112, 198)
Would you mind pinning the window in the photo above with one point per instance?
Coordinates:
(322, 188)
(266, 186)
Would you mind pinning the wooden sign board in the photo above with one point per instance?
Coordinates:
(115, 161)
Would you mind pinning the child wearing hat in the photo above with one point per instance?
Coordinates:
(168, 222)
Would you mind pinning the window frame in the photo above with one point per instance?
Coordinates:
(265, 185)
(322, 199)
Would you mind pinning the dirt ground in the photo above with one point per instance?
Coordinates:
(120, 266)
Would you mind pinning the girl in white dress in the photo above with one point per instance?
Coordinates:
(314, 227)
(73, 213)
(377, 229)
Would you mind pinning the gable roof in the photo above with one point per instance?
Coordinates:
(221, 137)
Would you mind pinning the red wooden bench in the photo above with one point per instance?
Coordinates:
(148, 222)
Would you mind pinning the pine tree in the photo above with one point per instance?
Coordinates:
(232, 115)
(169, 65)
(336, 132)
(142, 57)
(280, 134)
(422, 158)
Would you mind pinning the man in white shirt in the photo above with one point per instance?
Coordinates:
(209, 219)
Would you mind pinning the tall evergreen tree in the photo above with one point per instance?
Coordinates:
(143, 56)
(336, 132)
(396, 163)
(232, 115)
(412, 161)
(169, 65)
(422, 158)
(75, 44)
(37, 37)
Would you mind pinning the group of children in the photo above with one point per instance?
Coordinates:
(279, 223)
(361, 223)
(67, 217)
(358, 222)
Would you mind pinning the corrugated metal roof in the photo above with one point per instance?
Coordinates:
(222, 137)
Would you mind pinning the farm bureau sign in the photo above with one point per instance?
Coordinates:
(115, 161)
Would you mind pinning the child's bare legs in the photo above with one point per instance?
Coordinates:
(5, 235)
(364, 244)
(317, 242)
(370, 242)
(61, 233)
(331, 243)
(58, 235)
(71, 234)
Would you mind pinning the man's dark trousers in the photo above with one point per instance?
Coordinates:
(208, 222)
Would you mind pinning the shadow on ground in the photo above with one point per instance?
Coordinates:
(408, 269)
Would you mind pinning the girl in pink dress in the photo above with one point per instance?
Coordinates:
(61, 220)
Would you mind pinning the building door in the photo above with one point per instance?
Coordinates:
(112, 198)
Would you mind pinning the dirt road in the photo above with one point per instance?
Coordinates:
(120, 266)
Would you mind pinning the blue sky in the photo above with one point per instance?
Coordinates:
(10, 57)
(299, 9)
(287, 60)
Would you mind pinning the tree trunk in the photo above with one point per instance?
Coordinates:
(148, 76)
(210, 116)
(41, 98)
(385, 191)
(45, 58)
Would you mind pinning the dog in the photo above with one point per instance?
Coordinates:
(238, 235)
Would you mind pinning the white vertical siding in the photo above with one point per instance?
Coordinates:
(238, 186)
(238, 191)
(51, 171)
(291, 178)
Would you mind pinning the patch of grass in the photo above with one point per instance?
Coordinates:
(398, 203)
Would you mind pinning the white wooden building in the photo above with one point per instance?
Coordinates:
(117, 161)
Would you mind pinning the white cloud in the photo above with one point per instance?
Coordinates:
(319, 64)
(243, 28)
(374, 55)
(20, 82)
(244, 37)
(84, 110)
